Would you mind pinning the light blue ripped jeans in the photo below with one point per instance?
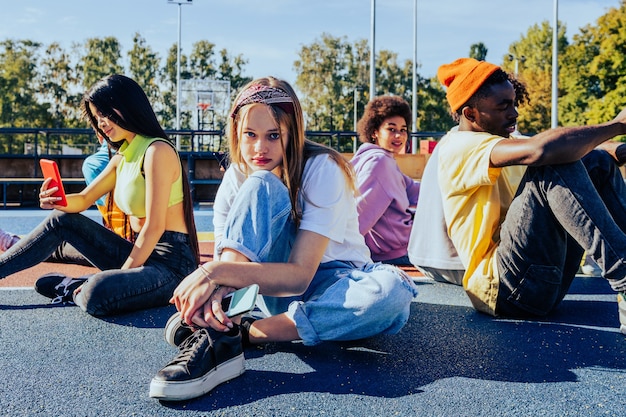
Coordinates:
(343, 302)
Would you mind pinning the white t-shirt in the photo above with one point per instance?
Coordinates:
(328, 208)
(429, 244)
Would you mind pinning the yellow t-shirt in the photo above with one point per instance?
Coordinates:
(476, 198)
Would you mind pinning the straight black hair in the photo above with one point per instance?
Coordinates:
(124, 102)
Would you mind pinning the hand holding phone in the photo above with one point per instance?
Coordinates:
(240, 301)
(50, 169)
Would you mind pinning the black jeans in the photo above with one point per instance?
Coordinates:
(111, 291)
(559, 212)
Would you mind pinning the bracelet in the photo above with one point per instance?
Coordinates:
(204, 271)
(206, 275)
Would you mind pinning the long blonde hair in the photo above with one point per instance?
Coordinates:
(287, 112)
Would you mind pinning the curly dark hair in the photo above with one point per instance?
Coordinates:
(379, 109)
(498, 77)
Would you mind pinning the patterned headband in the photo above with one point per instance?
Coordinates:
(258, 93)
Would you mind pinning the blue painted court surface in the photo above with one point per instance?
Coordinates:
(447, 361)
(21, 221)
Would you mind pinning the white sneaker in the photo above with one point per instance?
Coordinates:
(176, 331)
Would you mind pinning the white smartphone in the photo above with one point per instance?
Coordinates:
(240, 301)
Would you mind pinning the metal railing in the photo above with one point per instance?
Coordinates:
(23, 147)
(54, 141)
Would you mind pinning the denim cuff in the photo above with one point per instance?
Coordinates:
(236, 246)
(303, 325)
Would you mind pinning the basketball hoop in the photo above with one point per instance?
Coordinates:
(204, 99)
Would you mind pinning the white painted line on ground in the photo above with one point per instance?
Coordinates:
(581, 326)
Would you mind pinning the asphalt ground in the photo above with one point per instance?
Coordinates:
(448, 360)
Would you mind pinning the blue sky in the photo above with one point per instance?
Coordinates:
(270, 33)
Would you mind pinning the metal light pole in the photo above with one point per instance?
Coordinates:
(179, 3)
(517, 61)
(373, 52)
(414, 124)
(356, 116)
(555, 66)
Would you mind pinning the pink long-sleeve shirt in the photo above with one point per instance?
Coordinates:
(386, 202)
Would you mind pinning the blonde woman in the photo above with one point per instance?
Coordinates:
(291, 228)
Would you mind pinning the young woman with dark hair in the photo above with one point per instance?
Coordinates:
(148, 184)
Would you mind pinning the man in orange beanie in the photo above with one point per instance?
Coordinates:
(521, 212)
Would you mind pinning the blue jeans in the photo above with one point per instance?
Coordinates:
(343, 302)
(559, 212)
(111, 291)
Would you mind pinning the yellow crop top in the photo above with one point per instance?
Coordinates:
(130, 185)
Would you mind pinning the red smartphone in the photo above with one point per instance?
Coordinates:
(50, 169)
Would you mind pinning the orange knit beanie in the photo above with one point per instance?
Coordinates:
(463, 78)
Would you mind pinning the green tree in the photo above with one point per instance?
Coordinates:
(99, 58)
(18, 92)
(433, 111)
(577, 85)
(478, 51)
(58, 87)
(231, 68)
(324, 77)
(169, 70)
(330, 69)
(144, 68)
(18, 86)
(358, 74)
(167, 111)
(201, 64)
(594, 72)
(204, 65)
(532, 56)
(391, 78)
(201, 61)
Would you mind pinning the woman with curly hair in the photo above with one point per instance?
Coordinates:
(387, 196)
